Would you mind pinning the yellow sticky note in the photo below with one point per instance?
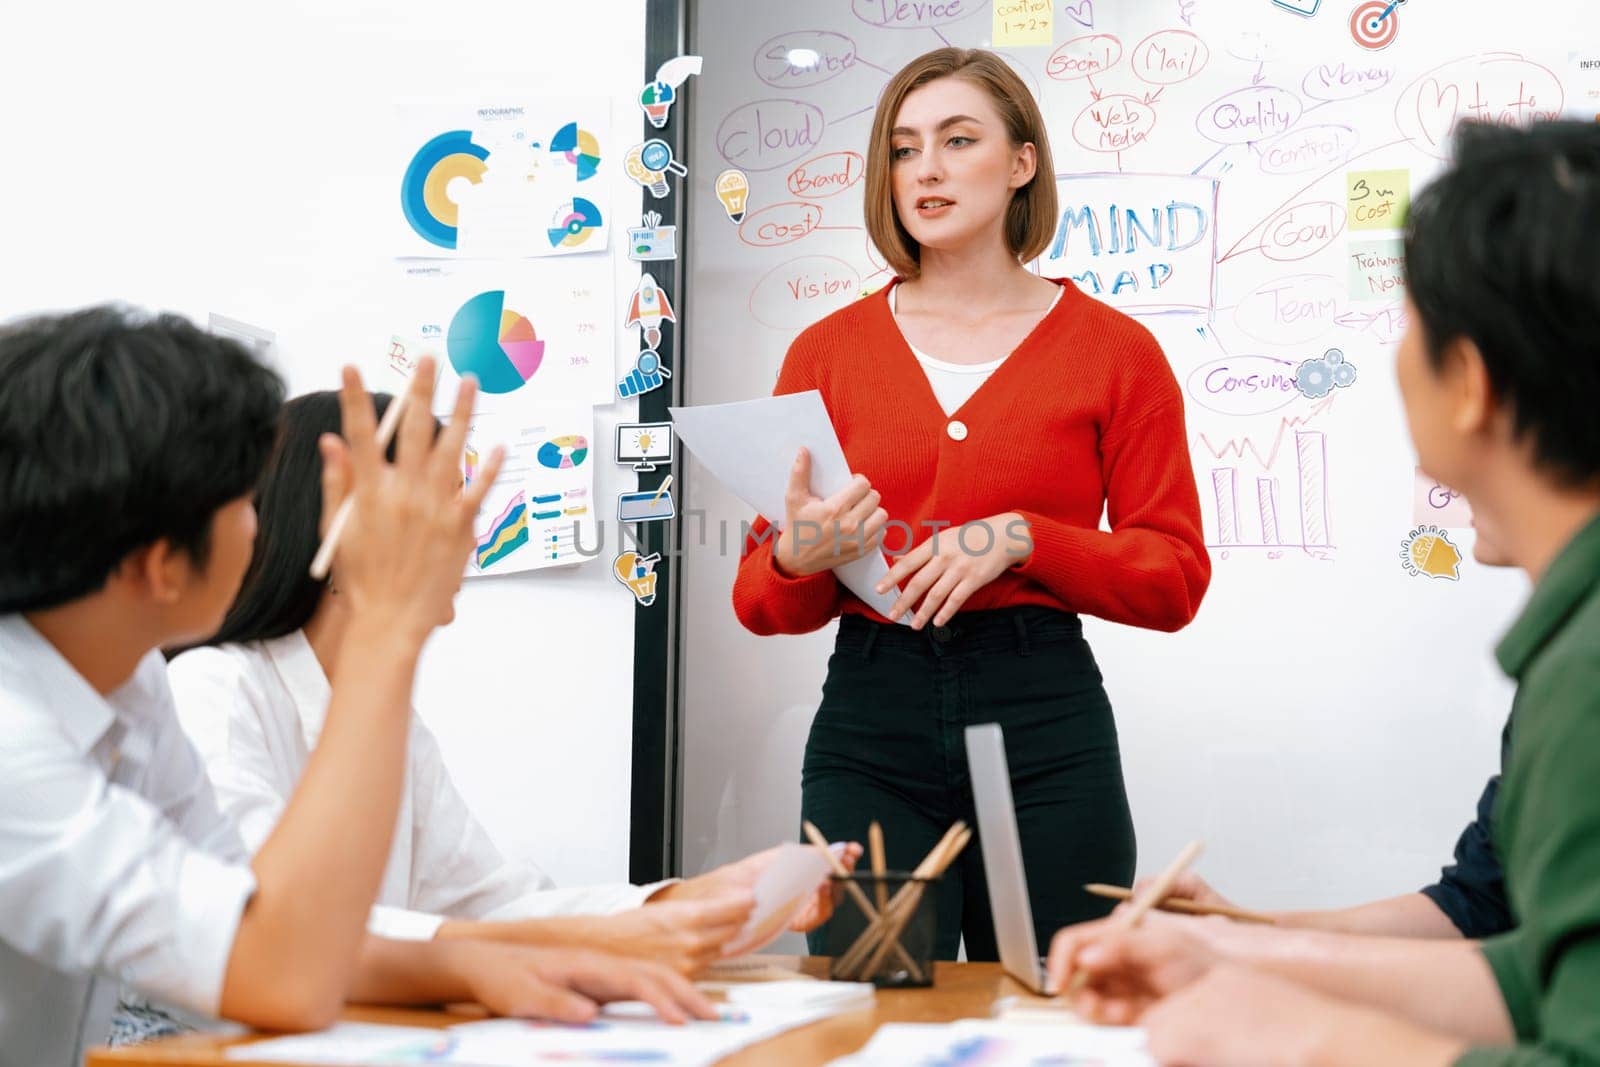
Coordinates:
(1378, 199)
(1022, 22)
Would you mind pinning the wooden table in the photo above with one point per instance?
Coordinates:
(960, 991)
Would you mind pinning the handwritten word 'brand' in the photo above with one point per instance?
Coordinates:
(826, 175)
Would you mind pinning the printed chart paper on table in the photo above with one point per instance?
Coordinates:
(511, 178)
(749, 446)
(531, 517)
(537, 334)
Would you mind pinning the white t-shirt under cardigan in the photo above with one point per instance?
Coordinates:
(953, 383)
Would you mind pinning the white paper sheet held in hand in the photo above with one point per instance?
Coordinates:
(783, 889)
(750, 447)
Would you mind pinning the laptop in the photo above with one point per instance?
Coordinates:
(1002, 856)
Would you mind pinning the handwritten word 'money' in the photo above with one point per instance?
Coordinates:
(901, 13)
(769, 133)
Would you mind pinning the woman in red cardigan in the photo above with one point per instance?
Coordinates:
(992, 415)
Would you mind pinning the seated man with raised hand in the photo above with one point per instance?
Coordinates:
(254, 700)
(128, 450)
(1498, 371)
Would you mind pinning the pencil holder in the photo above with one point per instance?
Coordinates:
(882, 930)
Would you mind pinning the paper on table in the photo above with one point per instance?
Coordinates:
(1000, 1045)
(351, 1043)
(781, 891)
(749, 446)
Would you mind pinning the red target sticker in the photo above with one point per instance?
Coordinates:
(1375, 25)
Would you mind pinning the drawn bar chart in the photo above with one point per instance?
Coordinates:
(1311, 463)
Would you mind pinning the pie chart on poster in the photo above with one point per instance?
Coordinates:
(493, 342)
(564, 452)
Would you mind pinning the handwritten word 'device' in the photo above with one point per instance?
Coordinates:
(911, 14)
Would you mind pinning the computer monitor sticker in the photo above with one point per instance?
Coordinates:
(643, 443)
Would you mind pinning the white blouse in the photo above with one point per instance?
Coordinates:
(953, 383)
(255, 712)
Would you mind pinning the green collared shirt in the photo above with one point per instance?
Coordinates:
(1547, 824)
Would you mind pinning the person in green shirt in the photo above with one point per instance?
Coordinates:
(1499, 372)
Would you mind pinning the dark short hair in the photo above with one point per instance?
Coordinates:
(119, 429)
(278, 594)
(1504, 250)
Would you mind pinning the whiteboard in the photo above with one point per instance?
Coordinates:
(1327, 721)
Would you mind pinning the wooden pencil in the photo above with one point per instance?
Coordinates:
(1182, 905)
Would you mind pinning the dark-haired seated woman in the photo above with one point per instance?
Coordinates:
(253, 701)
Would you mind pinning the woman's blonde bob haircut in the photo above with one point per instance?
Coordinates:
(1031, 218)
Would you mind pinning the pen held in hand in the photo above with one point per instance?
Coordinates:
(1144, 902)
(322, 562)
(1182, 905)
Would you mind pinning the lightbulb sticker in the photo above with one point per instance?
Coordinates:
(658, 96)
(733, 189)
(638, 574)
(1428, 551)
(633, 164)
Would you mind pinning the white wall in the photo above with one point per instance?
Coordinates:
(1325, 724)
(217, 157)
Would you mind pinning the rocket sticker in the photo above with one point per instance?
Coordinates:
(648, 309)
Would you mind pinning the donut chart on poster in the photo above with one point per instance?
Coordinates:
(424, 191)
(564, 452)
(493, 342)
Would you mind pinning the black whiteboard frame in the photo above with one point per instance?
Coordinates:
(656, 804)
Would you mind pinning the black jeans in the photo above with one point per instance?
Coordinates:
(888, 744)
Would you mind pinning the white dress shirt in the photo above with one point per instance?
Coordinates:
(116, 864)
(256, 710)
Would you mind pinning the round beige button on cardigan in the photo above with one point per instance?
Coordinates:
(957, 430)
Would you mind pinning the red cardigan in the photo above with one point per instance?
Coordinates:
(1085, 414)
